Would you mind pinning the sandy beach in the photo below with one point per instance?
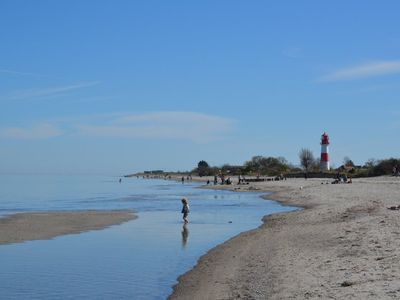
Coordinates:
(344, 244)
(46, 225)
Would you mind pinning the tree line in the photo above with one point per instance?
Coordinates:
(275, 166)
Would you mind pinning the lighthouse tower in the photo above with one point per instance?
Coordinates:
(325, 152)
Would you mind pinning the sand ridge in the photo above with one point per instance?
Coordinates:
(345, 244)
(46, 225)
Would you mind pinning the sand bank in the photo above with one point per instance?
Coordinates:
(345, 244)
(46, 225)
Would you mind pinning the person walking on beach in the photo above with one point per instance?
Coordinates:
(185, 210)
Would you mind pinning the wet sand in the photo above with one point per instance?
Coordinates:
(345, 244)
(38, 226)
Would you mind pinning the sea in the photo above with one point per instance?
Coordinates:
(139, 259)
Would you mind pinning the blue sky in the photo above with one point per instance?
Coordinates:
(114, 87)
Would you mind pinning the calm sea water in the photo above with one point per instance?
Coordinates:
(140, 259)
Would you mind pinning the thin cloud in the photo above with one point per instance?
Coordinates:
(172, 125)
(197, 127)
(40, 131)
(53, 91)
(371, 69)
(169, 117)
(11, 72)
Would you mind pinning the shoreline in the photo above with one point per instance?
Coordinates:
(21, 227)
(343, 244)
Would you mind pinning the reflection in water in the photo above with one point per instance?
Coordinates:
(185, 235)
(68, 267)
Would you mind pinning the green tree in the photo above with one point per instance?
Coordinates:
(370, 163)
(266, 165)
(203, 168)
(385, 167)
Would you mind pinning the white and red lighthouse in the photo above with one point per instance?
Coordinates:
(325, 152)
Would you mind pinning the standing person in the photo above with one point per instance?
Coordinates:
(185, 209)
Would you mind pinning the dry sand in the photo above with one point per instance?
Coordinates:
(38, 226)
(345, 244)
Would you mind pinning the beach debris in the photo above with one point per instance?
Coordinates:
(394, 207)
(301, 187)
(252, 188)
(346, 283)
(307, 294)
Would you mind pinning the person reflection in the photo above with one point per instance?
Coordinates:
(185, 235)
